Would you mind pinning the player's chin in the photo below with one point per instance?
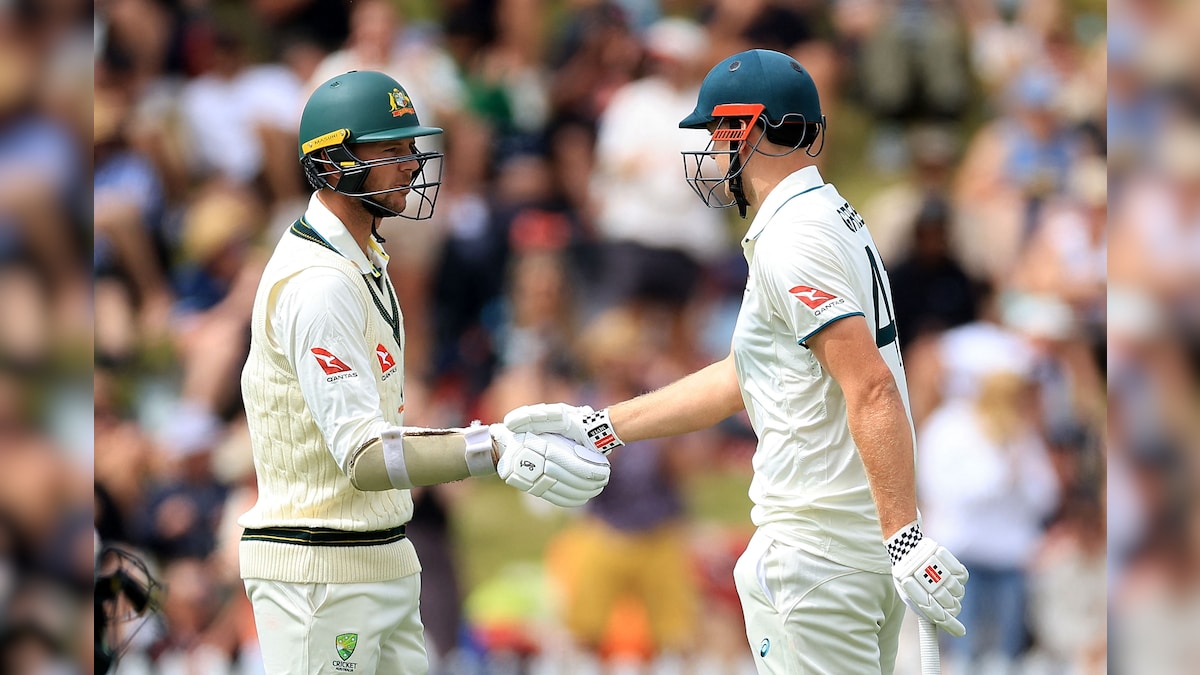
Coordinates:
(397, 201)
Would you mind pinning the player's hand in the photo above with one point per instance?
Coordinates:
(580, 423)
(929, 578)
(549, 466)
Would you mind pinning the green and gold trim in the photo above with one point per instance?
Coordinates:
(302, 229)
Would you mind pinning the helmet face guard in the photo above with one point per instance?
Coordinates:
(726, 190)
(339, 160)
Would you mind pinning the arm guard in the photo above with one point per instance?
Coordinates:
(408, 457)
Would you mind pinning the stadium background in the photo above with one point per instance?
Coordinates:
(994, 147)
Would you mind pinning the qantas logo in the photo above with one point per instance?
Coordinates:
(331, 364)
(812, 297)
(386, 362)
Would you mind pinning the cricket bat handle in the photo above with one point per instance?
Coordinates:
(931, 657)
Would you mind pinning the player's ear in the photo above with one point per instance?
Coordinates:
(746, 147)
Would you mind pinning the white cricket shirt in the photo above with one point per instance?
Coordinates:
(812, 262)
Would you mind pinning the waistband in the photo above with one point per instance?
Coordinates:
(324, 536)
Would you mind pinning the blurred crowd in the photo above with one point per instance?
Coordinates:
(1053, 377)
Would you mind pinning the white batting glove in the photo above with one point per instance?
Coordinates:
(549, 466)
(930, 580)
(582, 424)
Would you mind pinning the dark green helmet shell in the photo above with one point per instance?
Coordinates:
(775, 80)
(360, 106)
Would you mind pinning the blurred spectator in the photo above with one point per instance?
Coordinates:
(129, 257)
(1011, 168)
(1070, 386)
(632, 542)
(42, 208)
(911, 67)
(1068, 606)
(1156, 228)
(986, 487)
(498, 48)
(657, 235)
(936, 292)
(327, 21)
(216, 274)
(1068, 255)
(892, 211)
(379, 40)
(240, 118)
(595, 54)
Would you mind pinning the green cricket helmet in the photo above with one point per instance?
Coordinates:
(753, 86)
(365, 106)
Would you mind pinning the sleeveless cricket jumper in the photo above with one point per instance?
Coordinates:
(333, 578)
(818, 546)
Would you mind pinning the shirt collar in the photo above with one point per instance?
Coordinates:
(796, 183)
(330, 227)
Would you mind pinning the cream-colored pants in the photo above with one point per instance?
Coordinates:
(807, 615)
(362, 629)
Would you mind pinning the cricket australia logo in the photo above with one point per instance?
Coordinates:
(345, 644)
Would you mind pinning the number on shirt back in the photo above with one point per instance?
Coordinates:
(884, 334)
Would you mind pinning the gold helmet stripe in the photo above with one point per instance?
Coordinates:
(325, 140)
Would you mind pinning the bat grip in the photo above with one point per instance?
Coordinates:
(931, 658)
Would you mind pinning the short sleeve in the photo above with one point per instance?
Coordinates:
(805, 279)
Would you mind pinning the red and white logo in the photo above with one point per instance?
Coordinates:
(331, 364)
(933, 575)
(813, 297)
(386, 362)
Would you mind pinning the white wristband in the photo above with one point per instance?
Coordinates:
(393, 457)
(479, 450)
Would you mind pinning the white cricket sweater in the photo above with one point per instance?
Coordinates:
(299, 456)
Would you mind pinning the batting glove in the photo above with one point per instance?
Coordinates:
(930, 580)
(549, 466)
(582, 424)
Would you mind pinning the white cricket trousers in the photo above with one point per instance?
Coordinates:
(807, 615)
(362, 629)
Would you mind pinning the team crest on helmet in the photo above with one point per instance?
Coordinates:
(400, 102)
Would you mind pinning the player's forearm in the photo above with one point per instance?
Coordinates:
(407, 457)
(695, 402)
(881, 430)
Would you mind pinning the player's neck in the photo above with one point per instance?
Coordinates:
(354, 217)
(764, 173)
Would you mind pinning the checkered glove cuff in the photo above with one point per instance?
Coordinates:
(904, 541)
(599, 431)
